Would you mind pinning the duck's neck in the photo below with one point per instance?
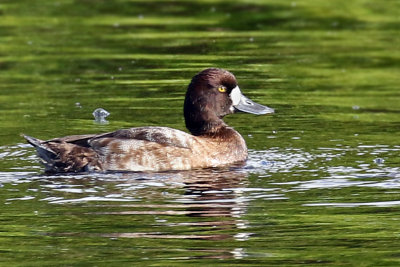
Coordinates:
(200, 115)
(206, 127)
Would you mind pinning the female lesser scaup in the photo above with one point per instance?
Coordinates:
(212, 94)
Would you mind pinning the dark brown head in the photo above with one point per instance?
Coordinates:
(212, 94)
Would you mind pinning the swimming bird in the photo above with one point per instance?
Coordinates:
(212, 94)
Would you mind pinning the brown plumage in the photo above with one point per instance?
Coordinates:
(212, 94)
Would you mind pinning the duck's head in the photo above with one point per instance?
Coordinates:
(211, 95)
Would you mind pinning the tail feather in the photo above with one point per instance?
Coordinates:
(60, 156)
(48, 156)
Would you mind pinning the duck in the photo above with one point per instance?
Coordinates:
(211, 95)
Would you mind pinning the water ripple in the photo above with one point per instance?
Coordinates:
(286, 169)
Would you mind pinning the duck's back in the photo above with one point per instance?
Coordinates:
(140, 149)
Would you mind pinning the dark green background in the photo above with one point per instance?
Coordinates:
(314, 191)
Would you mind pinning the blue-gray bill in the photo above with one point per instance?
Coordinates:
(249, 106)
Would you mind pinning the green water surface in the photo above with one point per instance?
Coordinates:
(322, 183)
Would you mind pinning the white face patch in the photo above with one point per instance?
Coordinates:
(236, 95)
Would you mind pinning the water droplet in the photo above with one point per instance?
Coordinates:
(356, 107)
(100, 115)
(379, 161)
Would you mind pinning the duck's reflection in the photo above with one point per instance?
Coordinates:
(196, 205)
(215, 197)
(213, 203)
(216, 194)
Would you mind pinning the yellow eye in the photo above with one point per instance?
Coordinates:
(222, 89)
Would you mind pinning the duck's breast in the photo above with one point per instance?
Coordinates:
(216, 151)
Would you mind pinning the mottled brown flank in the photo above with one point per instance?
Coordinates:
(211, 142)
(215, 150)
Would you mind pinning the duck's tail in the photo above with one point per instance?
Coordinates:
(47, 156)
(60, 156)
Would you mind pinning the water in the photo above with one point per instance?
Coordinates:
(321, 186)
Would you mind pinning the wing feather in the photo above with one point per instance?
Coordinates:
(159, 135)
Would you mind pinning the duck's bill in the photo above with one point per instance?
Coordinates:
(242, 103)
(247, 105)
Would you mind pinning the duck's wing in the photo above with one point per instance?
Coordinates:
(160, 135)
(80, 140)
